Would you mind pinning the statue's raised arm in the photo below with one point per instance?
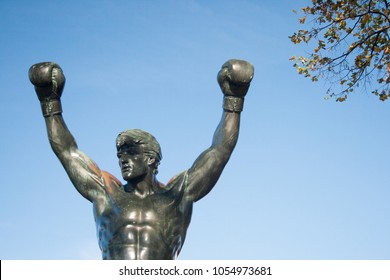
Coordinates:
(234, 79)
(49, 81)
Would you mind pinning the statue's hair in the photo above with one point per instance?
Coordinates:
(145, 140)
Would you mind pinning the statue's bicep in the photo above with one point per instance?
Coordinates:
(85, 175)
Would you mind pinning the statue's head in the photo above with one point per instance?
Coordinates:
(137, 150)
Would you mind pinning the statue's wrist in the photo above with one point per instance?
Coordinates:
(51, 107)
(233, 104)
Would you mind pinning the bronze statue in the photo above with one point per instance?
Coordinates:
(142, 219)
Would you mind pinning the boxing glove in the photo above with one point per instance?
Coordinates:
(235, 76)
(48, 80)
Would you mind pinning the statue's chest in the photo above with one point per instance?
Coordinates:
(130, 208)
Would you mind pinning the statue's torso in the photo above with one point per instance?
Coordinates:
(133, 227)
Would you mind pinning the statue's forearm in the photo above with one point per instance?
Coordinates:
(226, 134)
(60, 138)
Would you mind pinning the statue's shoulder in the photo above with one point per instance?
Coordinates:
(177, 182)
(110, 181)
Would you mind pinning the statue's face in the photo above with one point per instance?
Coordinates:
(132, 162)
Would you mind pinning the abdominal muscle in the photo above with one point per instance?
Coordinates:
(138, 235)
(136, 242)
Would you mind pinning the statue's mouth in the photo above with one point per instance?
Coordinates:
(126, 168)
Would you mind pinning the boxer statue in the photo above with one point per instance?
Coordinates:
(143, 218)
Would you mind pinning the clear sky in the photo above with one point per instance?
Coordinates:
(309, 178)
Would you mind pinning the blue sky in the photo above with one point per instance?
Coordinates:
(309, 178)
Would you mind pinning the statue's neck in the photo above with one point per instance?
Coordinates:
(143, 187)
